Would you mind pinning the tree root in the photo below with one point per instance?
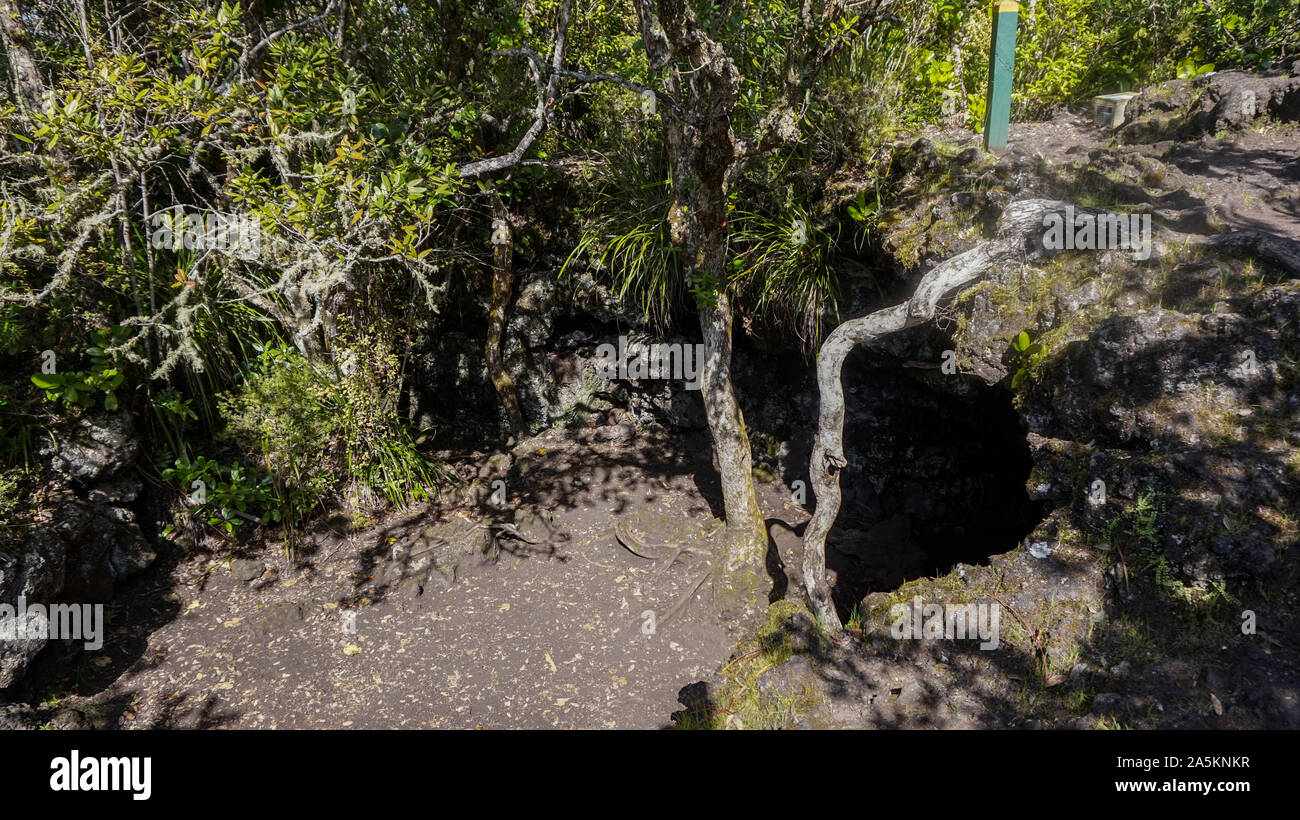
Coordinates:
(1268, 247)
(667, 557)
(688, 596)
(630, 542)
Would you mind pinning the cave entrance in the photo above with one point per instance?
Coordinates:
(936, 476)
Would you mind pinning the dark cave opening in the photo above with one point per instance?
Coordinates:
(936, 476)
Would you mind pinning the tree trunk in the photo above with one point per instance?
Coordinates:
(745, 563)
(959, 73)
(705, 159)
(83, 22)
(255, 29)
(29, 89)
(1020, 232)
(341, 29)
(701, 162)
(746, 532)
(502, 286)
(828, 449)
(502, 264)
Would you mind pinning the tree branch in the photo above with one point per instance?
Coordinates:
(546, 95)
(602, 77)
(780, 123)
(266, 41)
(1019, 236)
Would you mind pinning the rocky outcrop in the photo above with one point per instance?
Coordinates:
(85, 538)
(1158, 397)
(1186, 109)
(554, 328)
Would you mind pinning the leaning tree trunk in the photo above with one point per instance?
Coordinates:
(1019, 236)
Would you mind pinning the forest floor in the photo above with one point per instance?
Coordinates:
(550, 635)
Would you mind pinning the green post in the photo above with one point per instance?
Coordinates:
(1002, 61)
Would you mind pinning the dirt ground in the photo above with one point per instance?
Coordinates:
(1247, 180)
(550, 635)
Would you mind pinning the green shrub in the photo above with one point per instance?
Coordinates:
(81, 387)
(318, 430)
(284, 414)
(227, 497)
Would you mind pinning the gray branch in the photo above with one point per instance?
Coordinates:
(1019, 237)
(546, 94)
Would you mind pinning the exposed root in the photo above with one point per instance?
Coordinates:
(667, 556)
(633, 544)
(685, 599)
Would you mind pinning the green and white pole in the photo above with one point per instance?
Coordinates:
(1002, 63)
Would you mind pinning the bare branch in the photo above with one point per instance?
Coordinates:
(545, 99)
(1014, 241)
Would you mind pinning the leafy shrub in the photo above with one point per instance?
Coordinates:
(228, 496)
(82, 386)
(377, 447)
(318, 430)
(283, 412)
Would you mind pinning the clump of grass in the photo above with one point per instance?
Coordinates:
(739, 704)
(784, 269)
(780, 266)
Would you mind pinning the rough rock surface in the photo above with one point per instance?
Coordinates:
(1188, 108)
(84, 538)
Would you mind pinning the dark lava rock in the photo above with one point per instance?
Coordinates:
(247, 569)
